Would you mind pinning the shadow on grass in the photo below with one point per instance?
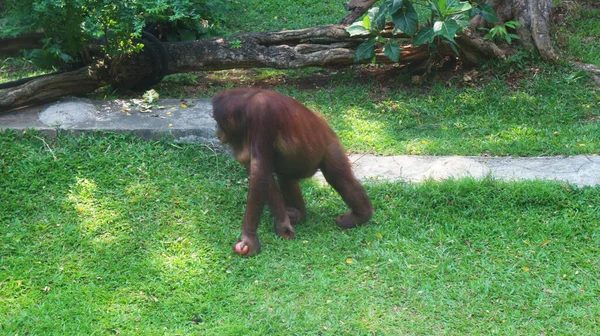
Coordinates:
(123, 235)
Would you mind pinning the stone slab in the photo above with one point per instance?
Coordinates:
(186, 120)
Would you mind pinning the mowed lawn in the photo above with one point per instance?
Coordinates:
(107, 234)
(113, 235)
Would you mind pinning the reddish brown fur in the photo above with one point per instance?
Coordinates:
(274, 134)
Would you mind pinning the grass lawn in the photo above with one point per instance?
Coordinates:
(109, 234)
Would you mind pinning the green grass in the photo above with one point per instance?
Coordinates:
(545, 116)
(519, 107)
(538, 110)
(110, 234)
(580, 35)
(260, 15)
(107, 234)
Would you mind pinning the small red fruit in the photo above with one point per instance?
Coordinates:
(240, 248)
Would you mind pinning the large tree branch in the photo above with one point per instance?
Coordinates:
(473, 46)
(324, 46)
(51, 87)
(357, 8)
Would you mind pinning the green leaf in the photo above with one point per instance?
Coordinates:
(406, 19)
(396, 5)
(453, 46)
(365, 50)
(366, 21)
(424, 35)
(488, 12)
(357, 29)
(498, 30)
(435, 8)
(66, 57)
(512, 24)
(509, 37)
(442, 6)
(392, 50)
(455, 6)
(446, 29)
(462, 23)
(377, 17)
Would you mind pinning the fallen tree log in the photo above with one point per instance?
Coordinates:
(324, 46)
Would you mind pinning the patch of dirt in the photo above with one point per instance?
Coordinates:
(383, 77)
(560, 12)
(592, 119)
(253, 78)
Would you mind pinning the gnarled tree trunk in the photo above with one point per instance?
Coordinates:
(534, 17)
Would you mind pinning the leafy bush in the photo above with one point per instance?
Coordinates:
(447, 18)
(71, 24)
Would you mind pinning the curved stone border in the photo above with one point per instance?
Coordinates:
(191, 121)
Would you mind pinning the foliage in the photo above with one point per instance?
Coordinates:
(447, 18)
(499, 32)
(71, 24)
(150, 96)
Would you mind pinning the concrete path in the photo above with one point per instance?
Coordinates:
(190, 121)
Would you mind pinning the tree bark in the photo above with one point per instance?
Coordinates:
(357, 8)
(534, 17)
